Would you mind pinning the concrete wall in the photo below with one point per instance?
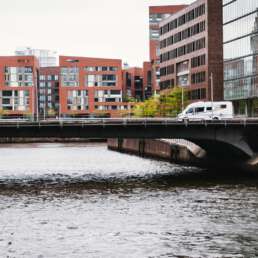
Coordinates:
(158, 149)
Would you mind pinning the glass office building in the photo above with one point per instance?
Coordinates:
(240, 25)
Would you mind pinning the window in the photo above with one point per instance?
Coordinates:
(42, 84)
(18, 76)
(15, 100)
(197, 94)
(198, 77)
(100, 80)
(113, 68)
(166, 84)
(154, 34)
(100, 68)
(77, 100)
(70, 76)
(189, 111)
(198, 61)
(199, 109)
(89, 68)
(7, 93)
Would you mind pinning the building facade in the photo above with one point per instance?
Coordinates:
(48, 91)
(240, 27)
(45, 57)
(133, 83)
(156, 15)
(147, 80)
(191, 50)
(18, 86)
(91, 87)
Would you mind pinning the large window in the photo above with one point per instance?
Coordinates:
(108, 96)
(18, 76)
(70, 76)
(102, 80)
(15, 100)
(240, 49)
(77, 100)
(240, 68)
(241, 27)
(238, 9)
(100, 68)
(241, 88)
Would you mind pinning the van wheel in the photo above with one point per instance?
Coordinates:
(215, 118)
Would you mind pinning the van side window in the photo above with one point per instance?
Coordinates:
(190, 111)
(199, 109)
(208, 108)
(223, 106)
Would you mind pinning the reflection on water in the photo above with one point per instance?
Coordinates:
(65, 200)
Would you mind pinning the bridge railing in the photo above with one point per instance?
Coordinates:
(125, 121)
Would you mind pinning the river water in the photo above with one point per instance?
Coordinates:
(82, 200)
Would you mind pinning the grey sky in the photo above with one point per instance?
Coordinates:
(94, 28)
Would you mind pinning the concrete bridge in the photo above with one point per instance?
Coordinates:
(225, 141)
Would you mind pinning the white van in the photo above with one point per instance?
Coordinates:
(207, 111)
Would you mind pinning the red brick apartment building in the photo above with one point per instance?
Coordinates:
(18, 85)
(90, 86)
(48, 96)
(147, 79)
(156, 15)
(133, 83)
(191, 49)
(137, 82)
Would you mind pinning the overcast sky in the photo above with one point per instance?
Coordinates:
(94, 28)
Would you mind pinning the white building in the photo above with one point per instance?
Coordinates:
(46, 57)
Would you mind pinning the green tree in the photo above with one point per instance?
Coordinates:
(167, 104)
(148, 108)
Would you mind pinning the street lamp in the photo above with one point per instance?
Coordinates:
(211, 78)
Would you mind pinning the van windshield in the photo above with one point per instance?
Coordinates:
(189, 111)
